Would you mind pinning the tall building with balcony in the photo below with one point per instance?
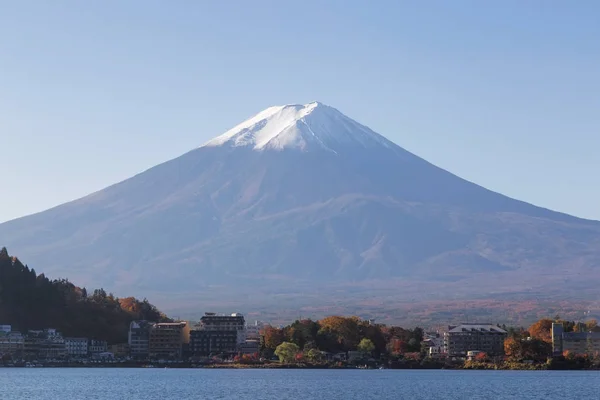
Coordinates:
(218, 334)
(166, 340)
(487, 338)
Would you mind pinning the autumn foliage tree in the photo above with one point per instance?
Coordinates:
(397, 346)
(512, 347)
(302, 332)
(542, 330)
(527, 349)
(272, 337)
(142, 309)
(340, 333)
(337, 334)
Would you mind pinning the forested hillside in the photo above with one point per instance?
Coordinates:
(32, 301)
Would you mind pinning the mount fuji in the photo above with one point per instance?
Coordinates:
(303, 208)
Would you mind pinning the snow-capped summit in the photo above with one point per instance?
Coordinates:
(317, 211)
(297, 126)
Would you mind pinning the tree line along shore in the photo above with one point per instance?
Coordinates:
(30, 301)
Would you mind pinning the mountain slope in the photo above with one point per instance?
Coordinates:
(301, 197)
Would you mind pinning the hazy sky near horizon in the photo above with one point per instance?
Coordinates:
(505, 94)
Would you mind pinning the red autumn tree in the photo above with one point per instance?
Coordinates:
(397, 346)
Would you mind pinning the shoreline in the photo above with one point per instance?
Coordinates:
(187, 365)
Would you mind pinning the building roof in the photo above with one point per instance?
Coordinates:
(484, 328)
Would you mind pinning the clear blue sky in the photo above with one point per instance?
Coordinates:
(503, 93)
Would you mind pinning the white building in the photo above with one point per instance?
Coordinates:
(434, 343)
(6, 328)
(76, 347)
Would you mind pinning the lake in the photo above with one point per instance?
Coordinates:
(164, 384)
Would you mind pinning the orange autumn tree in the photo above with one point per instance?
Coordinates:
(542, 330)
(522, 349)
(512, 347)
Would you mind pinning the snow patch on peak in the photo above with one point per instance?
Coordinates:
(299, 127)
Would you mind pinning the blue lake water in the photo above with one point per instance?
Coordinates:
(150, 384)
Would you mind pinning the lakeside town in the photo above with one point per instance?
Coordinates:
(228, 340)
(56, 323)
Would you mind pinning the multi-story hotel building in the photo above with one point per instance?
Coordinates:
(461, 339)
(218, 334)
